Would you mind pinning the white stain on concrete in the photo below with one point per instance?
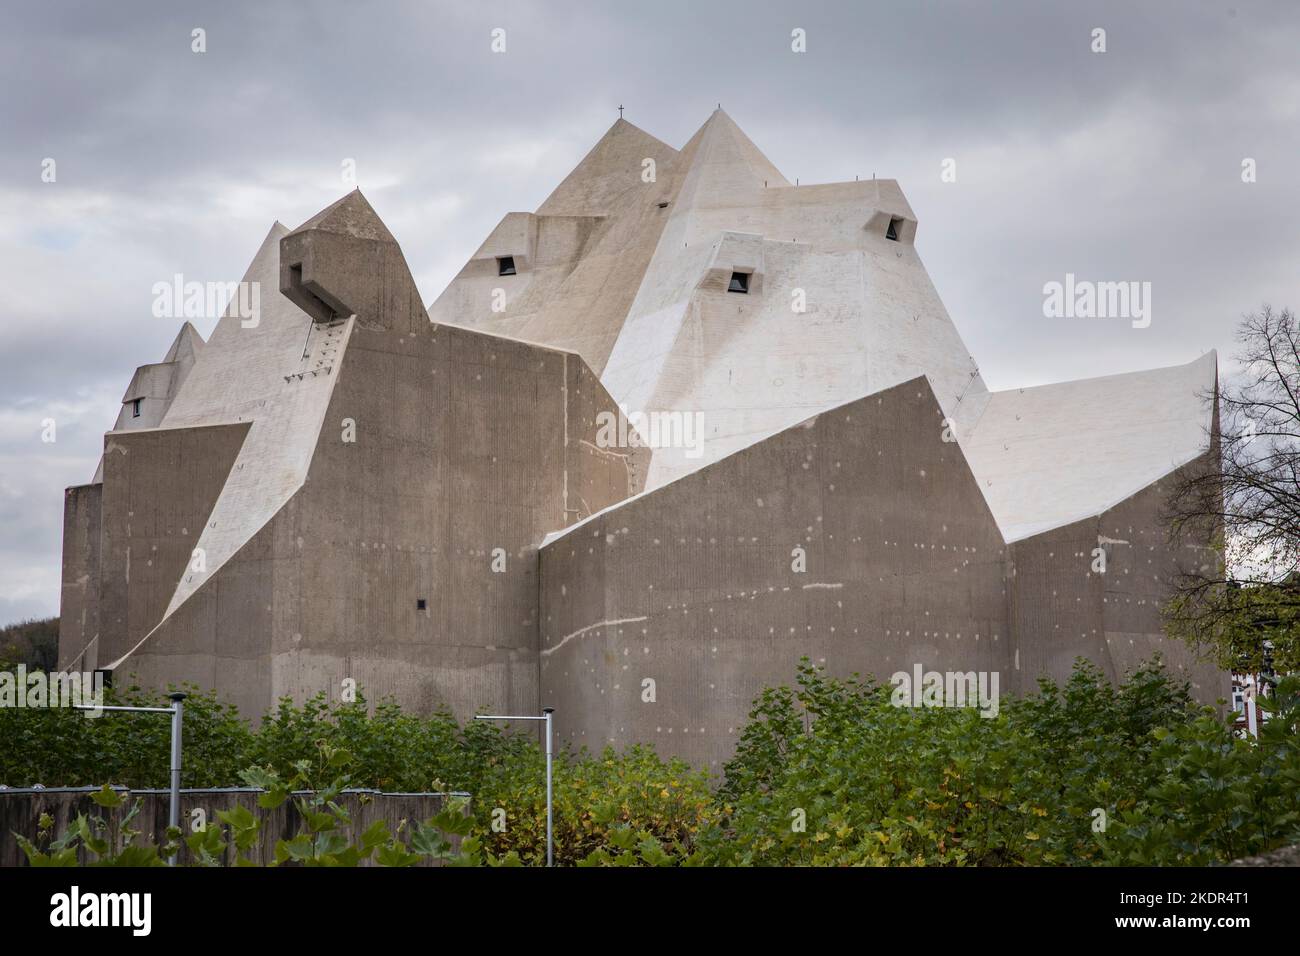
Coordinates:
(547, 651)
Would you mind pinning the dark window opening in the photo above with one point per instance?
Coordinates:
(135, 408)
(892, 231)
(421, 604)
(739, 282)
(505, 265)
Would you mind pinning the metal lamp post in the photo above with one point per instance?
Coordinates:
(177, 710)
(550, 758)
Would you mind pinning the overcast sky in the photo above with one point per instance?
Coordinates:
(1122, 165)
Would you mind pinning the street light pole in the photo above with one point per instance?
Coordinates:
(550, 824)
(550, 758)
(176, 710)
(174, 810)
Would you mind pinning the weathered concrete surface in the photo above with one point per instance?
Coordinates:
(277, 373)
(1142, 566)
(640, 292)
(665, 335)
(20, 812)
(79, 598)
(441, 459)
(343, 459)
(1062, 608)
(160, 486)
(580, 259)
(154, 387)
(1051, 455)
(692, 585)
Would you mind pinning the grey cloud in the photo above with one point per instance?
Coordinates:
(1122, 165)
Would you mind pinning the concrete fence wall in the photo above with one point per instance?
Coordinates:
(20, 813)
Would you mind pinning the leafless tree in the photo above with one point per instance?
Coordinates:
(1242, 604)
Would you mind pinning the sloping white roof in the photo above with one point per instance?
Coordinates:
(753, 366)
(253, 373)
(1050, 455)
(867, 317)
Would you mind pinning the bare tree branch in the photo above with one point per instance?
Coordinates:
(1242, 602)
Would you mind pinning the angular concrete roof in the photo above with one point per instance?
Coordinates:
(482, 442)
(580, 258)
(260, 373)
(632, 274)
(187, 345)
(155, 386)
(598, 184)
(1050, 455)
(631, 271)
(639, 288)
(351, 215)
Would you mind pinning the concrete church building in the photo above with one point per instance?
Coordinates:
(681, 426)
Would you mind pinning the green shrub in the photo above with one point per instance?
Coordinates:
(1214, 796)
(826, 773)
(597, 801)
(1049, 780)
(390, 750)
(58, 746)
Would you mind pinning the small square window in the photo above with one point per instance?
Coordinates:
(739, 282)
(421, 604)
(135, 408)
(894, 226)
(505, 265)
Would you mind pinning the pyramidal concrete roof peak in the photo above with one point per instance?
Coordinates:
(269, 246)
(186, 346)
(720, 141)
(601, 177)
(621, 128)
(351, 216)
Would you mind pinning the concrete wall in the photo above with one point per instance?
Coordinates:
(160, 486)
(476, 444)
(1063, 608)
(1056, 605)
(1142, 566)
(220, 637)
(692, 585)
(79, 600)
(751, 363)
(443, 458)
